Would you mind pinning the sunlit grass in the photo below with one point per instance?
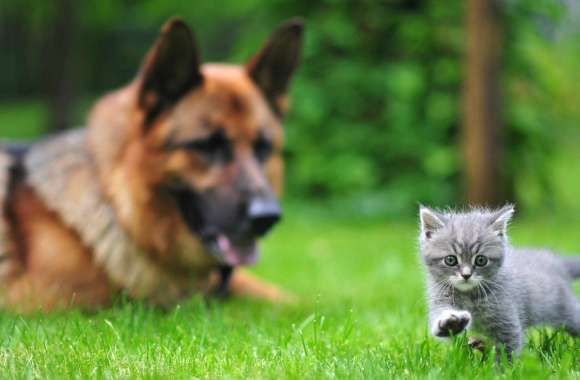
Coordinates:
(361, 315)
(361, 312)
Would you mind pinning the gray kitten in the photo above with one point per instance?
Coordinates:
(476, 279)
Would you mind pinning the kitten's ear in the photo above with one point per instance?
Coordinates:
(431, 221)
(501, 218)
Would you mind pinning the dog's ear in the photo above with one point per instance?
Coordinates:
(273, 66)
(171, 69)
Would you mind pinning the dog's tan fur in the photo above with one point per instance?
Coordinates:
(87, 220)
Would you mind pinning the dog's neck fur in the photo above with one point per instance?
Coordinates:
(108, 137)
(57, 169)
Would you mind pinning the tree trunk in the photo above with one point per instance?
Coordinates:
(482, 137)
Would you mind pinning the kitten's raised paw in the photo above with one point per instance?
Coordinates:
(452, 323)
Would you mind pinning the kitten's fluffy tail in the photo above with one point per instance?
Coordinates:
(572, 265)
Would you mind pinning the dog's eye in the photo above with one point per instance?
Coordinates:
(450, 260)
(215, 148)
(480, 260)
(262, 149)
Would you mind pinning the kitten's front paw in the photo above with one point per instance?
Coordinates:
(452, 323)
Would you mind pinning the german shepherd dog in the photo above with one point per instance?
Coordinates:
(163, 194)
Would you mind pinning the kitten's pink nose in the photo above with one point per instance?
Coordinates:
(466, 276)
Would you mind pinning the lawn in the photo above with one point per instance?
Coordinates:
(361, 312)
(361, 315)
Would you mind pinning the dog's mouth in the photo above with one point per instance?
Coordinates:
(230, 252)
(230, 249)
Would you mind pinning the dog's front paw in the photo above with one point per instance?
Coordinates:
(452, 323)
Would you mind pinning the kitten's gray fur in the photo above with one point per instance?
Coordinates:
(517, 288)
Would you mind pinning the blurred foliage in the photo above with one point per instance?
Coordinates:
(377, 102)
(542, 62)
(378, 110)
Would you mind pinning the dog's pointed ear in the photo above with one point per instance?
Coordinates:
(273, 66)
(171, 68)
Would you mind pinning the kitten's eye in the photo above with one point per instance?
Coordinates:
(480, 260)
(263, 149)
(450, 260)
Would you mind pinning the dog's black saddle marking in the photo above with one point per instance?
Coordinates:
(16, 150)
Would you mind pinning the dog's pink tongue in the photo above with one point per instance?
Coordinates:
(237, 255)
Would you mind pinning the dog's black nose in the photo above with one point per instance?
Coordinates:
(263, 213)
(466, 276)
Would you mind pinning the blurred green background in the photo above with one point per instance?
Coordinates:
(377, 126)
(377, 114)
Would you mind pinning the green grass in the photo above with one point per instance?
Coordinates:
(361, 315)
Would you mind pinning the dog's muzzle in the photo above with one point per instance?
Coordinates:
(241, 248)
(263, 214)
(232, 237)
